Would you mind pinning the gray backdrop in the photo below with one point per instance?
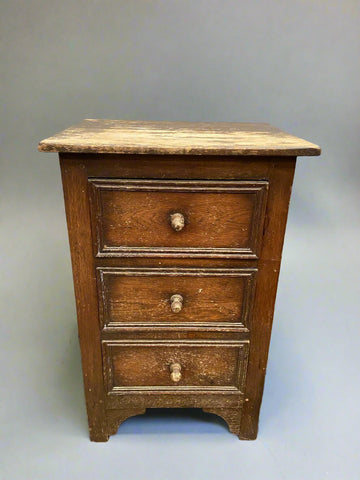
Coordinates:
(293, 64)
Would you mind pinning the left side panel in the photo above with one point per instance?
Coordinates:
(75, 185)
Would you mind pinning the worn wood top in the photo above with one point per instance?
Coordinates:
(185, 138)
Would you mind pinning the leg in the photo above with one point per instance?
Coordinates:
(116, 417)
(232, 417)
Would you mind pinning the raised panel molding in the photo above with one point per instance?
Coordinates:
(240, 368)
(243, 325)
(258, 188)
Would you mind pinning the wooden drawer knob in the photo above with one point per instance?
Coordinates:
(177, 221)
(175, 372)
(176, 302)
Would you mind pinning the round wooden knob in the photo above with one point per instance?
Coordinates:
(175, 372)
(177, 221)
(176, 302)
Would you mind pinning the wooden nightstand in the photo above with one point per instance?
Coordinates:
(176, 232)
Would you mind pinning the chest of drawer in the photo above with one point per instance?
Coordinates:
(159, 296)
(176, 233)
(178, 218)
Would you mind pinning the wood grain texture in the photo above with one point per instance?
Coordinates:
(143, 297)
(172, 399)
(75, 183)
(280, 178)
(146, 365)
(128, 341)
(185, 138)
(133, 218)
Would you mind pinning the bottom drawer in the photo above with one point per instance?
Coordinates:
(174, 366)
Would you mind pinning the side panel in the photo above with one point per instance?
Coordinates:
(75, 184)
(280, 178)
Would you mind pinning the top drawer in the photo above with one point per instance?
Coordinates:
(177, 217)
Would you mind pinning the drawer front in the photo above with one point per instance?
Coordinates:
(166, 365)
(178, 217)
(172, 297)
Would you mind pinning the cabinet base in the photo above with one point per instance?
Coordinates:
(114, 418)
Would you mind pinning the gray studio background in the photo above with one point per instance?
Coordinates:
(293, 64)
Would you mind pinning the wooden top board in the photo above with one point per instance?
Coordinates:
(177, 138)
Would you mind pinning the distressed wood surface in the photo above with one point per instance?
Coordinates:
(146, 365)
(280, 178)
(232, 417)
(129, 297)
(74, 178)
(219, 339)
(133, 217)
(114, 418)
(184, 138)
(244, 405)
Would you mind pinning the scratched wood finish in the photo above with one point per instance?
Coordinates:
(202, 366)
(265, 295)
(116, 417)
(186, 138)
(232, 417)
(131, 351)
(220, 218)
(147, 398)
(242, 407)
(143, 296)
(74, 178)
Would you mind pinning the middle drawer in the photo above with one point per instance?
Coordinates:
(175, 297)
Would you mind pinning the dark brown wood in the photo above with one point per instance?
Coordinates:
(176, 261)
(281, 179)
(209, 297)
(114, 418)
(133, 218)
(75, 184)
(232, 417)
(198, 399)
(205, 366)
(205, 167)
(221, 138)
